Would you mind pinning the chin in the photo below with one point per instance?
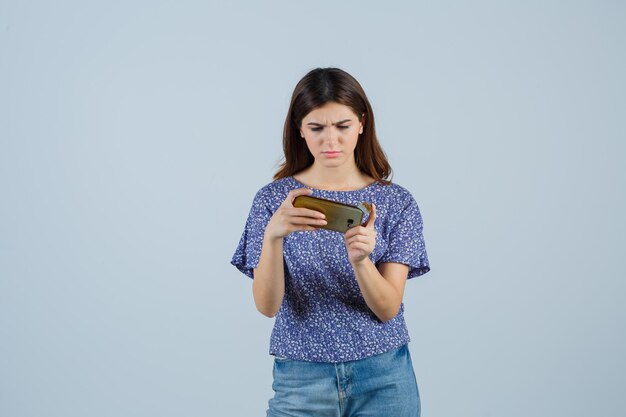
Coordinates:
(332, 163)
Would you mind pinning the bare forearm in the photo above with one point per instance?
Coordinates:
(380, 296)
(268, 286)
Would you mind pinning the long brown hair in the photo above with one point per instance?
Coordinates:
(318, 87)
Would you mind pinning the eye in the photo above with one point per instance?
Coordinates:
(342, 127)
(316, 129)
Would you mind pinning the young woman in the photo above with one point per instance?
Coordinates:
(339, 337)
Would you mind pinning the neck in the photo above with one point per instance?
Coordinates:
(336, 178)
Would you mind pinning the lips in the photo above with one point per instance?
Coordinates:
(331, 154)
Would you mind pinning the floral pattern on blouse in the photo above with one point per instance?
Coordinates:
(323, 317)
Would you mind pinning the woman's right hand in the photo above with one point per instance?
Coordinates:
(289, 219)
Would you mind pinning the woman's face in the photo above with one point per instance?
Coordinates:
(331, 133)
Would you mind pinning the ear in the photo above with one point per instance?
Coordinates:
(362, 123)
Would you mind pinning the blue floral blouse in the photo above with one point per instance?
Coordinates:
(323, 317)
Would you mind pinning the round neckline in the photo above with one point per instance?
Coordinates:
(332, 191)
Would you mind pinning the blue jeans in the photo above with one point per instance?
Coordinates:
(381, 385)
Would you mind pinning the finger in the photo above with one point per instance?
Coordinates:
(295, 193)
(305, 212)
(358, 238)
(307, 220)
(372, 218)
(353, 231)
(360, 246)
(294, 227)
(349, 233)
(305, 228)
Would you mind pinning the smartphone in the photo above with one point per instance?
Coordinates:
(339, 216)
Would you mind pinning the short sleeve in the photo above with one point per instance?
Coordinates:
(248, 252)
(406, 241)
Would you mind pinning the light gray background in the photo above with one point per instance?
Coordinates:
(133, 136)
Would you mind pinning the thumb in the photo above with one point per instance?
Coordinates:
(295, 193)
(372, 219)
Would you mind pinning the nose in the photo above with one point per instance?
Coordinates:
(332, 135)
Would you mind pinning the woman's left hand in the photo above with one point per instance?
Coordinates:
(360, 240)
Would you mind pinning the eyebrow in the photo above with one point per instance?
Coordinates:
(338, 123)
